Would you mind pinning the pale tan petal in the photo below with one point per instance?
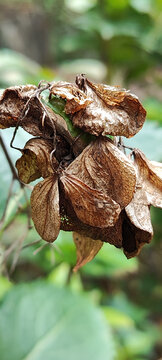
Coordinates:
(35, 161)
(87, 249)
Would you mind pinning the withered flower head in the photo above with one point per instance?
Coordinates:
(92, 194)
(89, 185)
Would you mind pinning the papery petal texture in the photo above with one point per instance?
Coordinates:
(75, 98)
(91, 206)
(35, 161)
(113, 111)
(45, 208)
(149, 179)
(102, 166)
(86, 248)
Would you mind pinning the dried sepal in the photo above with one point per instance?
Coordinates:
(91, 206)
(110, 234)
(149, 179)
(12, 102)
(35, 161)
(27, 167)
(102, 166)
(129, 232)
(75, 98)
(137, 228)
(113, 111)
(86, 248)
(45, 208)
(70, 222)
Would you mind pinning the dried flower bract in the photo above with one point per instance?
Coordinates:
(90, 186)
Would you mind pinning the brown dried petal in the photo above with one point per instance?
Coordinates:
(86, 249)
(113, 111)
(12, 102)
(12, 109)
(91, 206)
(45, 208)
(75, 98)
(137, 228)
(35, 161)
(131, 231)
(70, 222)
(27, 167)
(104, 167)
(110, 234)
(15, 102)
(126, 233)
(149, 179)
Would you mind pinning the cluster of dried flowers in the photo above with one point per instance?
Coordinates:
(90, 186)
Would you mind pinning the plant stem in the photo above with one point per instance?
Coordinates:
(15, 176)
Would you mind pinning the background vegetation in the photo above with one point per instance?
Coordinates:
(112, 308)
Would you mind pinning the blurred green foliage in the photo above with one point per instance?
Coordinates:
(118, 42)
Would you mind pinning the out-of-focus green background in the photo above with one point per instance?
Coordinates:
(112, 308)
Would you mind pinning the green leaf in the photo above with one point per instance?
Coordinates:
(110, 261)
(124, 305)
(17, 69)
(117, 318)
(5, 171)
(39, 321)
(12, 207)
(144, 6)
(148, 140)
(5, 285)
(57, 104)
(67, 250)
(154, 109)
(138, 344)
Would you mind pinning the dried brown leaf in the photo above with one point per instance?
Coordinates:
(75, 98)
(113, 111)
(35, 161)
(91, 206)
(104, 167)
(45, 208)
(86, 249)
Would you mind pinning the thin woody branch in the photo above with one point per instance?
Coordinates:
(15, 176)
